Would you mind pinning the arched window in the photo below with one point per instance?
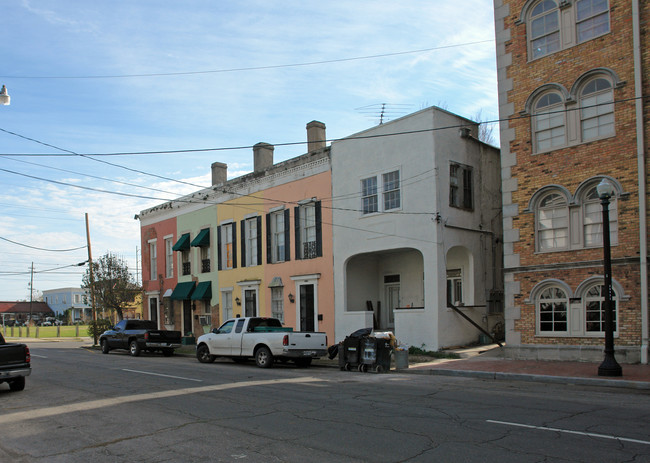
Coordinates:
(549, 122)
(594, 310)
(592, 19)
(552, 305)
(597, 109)
(544, 28)
(552, 222)
(592, 218)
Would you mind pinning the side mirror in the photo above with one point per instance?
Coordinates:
(215, 330)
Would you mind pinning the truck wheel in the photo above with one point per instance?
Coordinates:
(203, 354)
(303, 362)
(17, 384)
(104, 344)
(264, 357)
(134, 348)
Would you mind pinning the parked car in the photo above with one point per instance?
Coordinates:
(15, 364)
(264, 339)
(139, 335)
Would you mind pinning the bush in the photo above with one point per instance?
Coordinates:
(97, 327)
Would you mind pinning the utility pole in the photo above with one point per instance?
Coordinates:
(31, 293)
(90, 274)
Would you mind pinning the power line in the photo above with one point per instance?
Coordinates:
(41, 249)
(256, 68)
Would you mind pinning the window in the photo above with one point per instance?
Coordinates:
(187, 264)
(277, 303)
(571, 223)
(555, 25)
(227, 246)
(597, 109)
(153, 260)
(277, 236)
(552, 305)
(226, 304)
(391, 190)
(168, 311)
(592, 19)
(205, 319)
(594, 310)
(77, 298)
(460, 186)
(308, 230)
(369, 195)
(544, 28)
(454, 286)
(593, 219)
(169, 258)
(251, 237)
(553, 223)
(548, 122)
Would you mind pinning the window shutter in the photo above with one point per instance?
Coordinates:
(268, 239)
(243, 243)
(319, 229)
(259, 240)
(287, 236)
(467, 188)
(296, 218)
(234, 245)
(219, 258)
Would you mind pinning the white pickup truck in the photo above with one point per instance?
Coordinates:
(264, 339)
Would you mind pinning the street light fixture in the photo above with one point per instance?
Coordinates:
(610, 366)
(5, 99)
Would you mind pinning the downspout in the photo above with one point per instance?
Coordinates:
(640, 146)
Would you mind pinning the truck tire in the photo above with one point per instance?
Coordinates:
(134, 348)
(203, 354)
(17, 384)
(104, 344)
(263, 357)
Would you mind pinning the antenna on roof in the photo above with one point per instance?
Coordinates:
(384, 112)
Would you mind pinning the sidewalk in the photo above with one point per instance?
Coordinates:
(487, 362)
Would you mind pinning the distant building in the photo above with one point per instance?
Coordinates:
(76, 300)
(23, 311)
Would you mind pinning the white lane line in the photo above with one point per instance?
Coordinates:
(13, 418)
(568, 431)
(159, 374)
(39, 356)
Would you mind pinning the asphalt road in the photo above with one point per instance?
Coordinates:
(82, 406)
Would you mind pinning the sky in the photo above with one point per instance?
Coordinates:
(117, 106)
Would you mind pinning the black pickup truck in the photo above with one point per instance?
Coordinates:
(139, 335)
(14, 364)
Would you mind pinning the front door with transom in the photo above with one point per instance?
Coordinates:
(250, 303)
(187, 316)
(307, 318)
(391, 294)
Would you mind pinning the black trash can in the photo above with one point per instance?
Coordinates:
(349, 353)
(382, 364)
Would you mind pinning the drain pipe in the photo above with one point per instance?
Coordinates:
(640, 145)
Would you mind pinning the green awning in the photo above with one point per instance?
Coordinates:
(183, 243)
(182, 291)
(203, 291)
(202, 239)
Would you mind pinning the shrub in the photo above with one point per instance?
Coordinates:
(97, 327)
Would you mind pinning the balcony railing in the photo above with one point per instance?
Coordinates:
(309, 250)
(187, 268)
(205, 265)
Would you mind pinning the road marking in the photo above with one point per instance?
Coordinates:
(568, 431)
(39, 356)
(13, 418)
(159, 374)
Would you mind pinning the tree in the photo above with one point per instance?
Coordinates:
(114, 287)
(485, 129)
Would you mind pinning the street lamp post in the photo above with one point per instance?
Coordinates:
(610, 366)
(5, 99)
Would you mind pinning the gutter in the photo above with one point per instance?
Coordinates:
(640, 144)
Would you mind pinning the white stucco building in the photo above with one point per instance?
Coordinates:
(417, 220)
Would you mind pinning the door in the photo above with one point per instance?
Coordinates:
(392, 302)
(153, 310)
(307, 318)
(221, 342)
(187, 316)
(250, 303)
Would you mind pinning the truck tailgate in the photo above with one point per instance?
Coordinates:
(305, 340)
(11, 355)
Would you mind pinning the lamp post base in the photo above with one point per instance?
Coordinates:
(610, 367)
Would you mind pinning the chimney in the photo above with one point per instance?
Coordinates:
(262, 156)
(219, 173)
(315, 136)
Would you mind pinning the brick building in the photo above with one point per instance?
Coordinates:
(572, 75)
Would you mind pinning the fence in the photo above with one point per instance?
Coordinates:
(44, 331)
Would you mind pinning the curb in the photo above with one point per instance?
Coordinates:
(495, 375)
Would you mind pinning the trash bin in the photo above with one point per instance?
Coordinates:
(349, 353)
(368, 354)
(384, 350)
(401, 359)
